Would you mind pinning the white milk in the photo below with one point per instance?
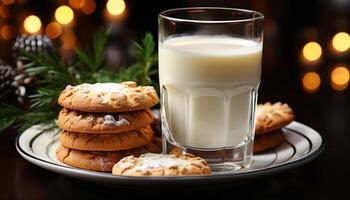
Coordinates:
(211, 84)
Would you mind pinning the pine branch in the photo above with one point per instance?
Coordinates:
(52, 75)
(48, 68)
(9, 115)
(142, 71)
(44, 98)
(37, 117)
(94, 59)
(99, 43)
(145, 67)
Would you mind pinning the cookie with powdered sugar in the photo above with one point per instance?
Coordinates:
(108, 97)
(151, 164)
(83, 122)
(107, 141)
(270, 117)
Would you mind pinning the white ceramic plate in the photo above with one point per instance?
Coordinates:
(301, 145)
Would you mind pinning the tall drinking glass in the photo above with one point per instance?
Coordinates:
(209, 72)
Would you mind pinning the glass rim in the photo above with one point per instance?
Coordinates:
(164, 13)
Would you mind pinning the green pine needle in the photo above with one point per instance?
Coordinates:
(8, 115)
(147, 58)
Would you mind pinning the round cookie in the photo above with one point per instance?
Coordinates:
(151, 164)
(108, 97)
(98, 160)
(76, 121)
(271, 117)
(108, 141)
(268, 141)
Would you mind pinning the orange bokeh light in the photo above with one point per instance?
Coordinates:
(7, 32)
(340, 78)
(7, 2)
(69, 40)
(4, 12)
(53, 30)
(77, 4)
(89, 7)
(311, 82)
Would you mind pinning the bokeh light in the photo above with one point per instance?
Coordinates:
(69, 40)
(77, 4)
(4, 11)
(64, 15)
(115, 7)
(312, 51)
(89, 7)
(341, 41)
(340, 78)
(7, 32)
(32, 24)
(311, 82)
(53, 30)
(7, 2)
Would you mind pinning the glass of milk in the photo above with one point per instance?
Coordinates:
(209, 73)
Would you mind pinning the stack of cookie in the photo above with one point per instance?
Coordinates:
(270, 119)
(104, 122)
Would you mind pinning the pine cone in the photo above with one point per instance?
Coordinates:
(29, 43)
(7, 89)
(32, 43)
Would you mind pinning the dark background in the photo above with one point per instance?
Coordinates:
(289, 25)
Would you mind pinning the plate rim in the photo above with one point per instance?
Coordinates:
(51, 166)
